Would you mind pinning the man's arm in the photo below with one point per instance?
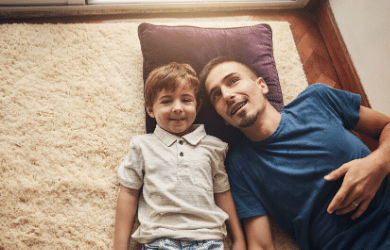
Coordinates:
(225, 201)
(125, 215)
(363, 177)
(258, 233)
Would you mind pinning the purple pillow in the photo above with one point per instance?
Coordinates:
(161, 44)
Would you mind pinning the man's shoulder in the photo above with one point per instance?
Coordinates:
(237, 158)
(238, 150)
(317, 88)
(312, 94)
(322, 93)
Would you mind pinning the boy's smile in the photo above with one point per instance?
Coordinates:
(176, 110)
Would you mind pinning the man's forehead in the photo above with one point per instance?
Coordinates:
(230, 66)
(221, 71)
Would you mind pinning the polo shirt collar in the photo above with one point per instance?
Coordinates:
(197, 134)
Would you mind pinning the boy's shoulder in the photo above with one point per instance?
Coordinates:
(211, 140)
(142, 138)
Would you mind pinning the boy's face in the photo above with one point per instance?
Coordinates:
(175, 111)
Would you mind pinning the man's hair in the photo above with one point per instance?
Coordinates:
(168, 77)
(217, 61)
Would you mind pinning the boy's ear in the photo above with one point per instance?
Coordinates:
(263, 85)
(199, 105)
(150, 112)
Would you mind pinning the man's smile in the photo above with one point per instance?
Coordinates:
(236, 106)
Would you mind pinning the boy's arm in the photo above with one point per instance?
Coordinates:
(225, 201)
(258, 233)
(125, 215)
(363, 177)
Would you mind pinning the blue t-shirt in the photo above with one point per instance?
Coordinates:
(283, 175)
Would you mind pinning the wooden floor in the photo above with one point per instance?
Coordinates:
(311, 48)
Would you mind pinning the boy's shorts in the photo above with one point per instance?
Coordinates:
(173, 244)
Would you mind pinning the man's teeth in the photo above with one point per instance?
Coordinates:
(237, 108)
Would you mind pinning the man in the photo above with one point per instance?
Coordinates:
(304, 167)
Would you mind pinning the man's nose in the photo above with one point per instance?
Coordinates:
(227, 94)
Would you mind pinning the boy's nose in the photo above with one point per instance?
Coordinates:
(177, 107)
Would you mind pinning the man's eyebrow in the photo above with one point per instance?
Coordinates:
(223, 80)
(228, 76)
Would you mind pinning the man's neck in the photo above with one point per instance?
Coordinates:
(266, 124)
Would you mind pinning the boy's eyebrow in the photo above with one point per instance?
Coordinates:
(188, 95)
(223, 80)
(170, 96)
(165, 96)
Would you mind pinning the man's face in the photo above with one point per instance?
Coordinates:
(236, 93)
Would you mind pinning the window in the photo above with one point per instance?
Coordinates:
(275, 4)
(40, 2)
(148, 5)
(183, 1)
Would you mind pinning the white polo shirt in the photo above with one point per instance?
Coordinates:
(179, 176)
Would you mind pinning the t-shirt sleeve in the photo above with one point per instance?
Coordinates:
(220, 178)
(245, 199)
(130, 172)
(345, 105)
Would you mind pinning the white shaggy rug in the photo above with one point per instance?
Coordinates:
(71, 97)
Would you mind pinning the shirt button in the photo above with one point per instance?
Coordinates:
(181, 154)
(181, 142)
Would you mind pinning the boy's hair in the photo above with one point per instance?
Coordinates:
(168, 77)
(217, 61)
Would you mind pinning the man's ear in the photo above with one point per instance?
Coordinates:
(263, 85)
(199, 105)
(150, 112)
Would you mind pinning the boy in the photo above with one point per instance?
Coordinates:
(185, 197)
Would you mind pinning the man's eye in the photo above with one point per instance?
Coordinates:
(165, 101)
(234, 80)
(216, 95)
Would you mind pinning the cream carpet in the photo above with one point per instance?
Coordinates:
(71, 98)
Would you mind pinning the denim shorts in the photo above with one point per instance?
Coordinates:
(177, 244)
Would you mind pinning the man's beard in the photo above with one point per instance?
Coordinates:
(248, 121)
